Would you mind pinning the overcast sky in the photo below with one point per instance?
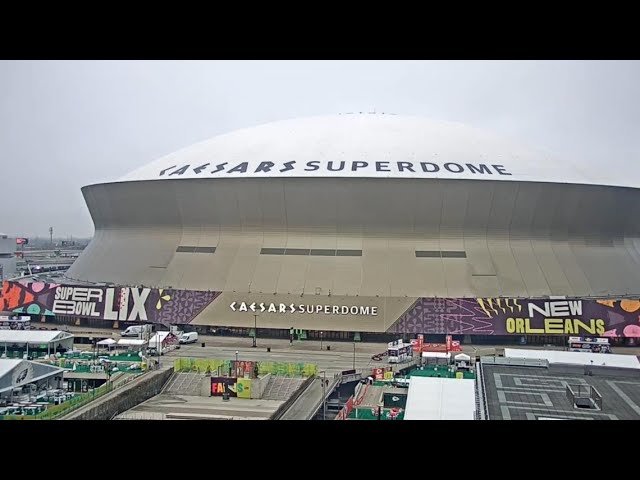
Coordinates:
(67, 124)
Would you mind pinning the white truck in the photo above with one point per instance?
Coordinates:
(138, 331)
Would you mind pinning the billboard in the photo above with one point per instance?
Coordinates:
(509, 316)
(105, 303)
(15, 323)
(244, 388)
(22, 241)
(221, 385)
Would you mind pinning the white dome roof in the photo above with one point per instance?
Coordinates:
(364, 145)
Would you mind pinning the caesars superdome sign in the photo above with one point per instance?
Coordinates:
(333, 168)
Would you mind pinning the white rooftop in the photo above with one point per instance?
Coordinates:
(33, 337)
(576, 358)
(437, 398)
(378, 146)
(131, 342)
(6, 365)
(158, 338)
(436, 355)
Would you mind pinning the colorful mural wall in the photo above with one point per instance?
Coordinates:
(105, 303)
(222, 385)
(467, 316)
(242, 368)
(504, 316)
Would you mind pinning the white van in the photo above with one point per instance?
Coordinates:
(189, 337)
(135, 331)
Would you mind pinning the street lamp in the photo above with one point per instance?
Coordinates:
(320, 340)
(354, 355)
(255, 330)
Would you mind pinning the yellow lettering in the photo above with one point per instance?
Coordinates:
(554, 325)
(589, 328)
(568, 327)
(520, 325)
(511, 325)
(528, 328)
(600, 326)
(220, 388)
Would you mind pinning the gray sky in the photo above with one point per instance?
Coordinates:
(67, 124)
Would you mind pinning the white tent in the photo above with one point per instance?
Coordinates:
(462, 357)
(108, 343)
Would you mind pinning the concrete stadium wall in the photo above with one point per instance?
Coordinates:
(205, 386)
(520, 239)
(120, 400)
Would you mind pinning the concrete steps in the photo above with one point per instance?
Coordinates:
(281, 388)
(184, 384)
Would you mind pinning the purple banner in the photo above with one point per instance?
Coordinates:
(505, 316)
(140, 304)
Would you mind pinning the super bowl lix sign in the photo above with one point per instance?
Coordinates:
(301, 308)
(102, 302)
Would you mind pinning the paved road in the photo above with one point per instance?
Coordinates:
(307, 404)
(331, 362)
(339, 358)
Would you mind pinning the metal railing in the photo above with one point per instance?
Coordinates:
(482, 409)
(584, 391)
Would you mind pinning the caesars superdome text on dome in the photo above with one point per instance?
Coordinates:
(315, 167)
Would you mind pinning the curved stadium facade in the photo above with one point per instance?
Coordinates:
(359, 223)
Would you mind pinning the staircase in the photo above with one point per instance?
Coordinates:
(184, 384)
(281, 388)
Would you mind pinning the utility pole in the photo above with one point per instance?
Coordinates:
(51, 235)
(255, 330)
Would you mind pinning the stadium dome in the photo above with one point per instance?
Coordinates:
(361, 223)
(362, 145)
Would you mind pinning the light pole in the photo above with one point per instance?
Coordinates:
(324, 395)
(354, 355)
(236, 365)
(255, 330)
(320, 340)
(158, 347)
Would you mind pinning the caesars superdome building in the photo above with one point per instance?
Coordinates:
(362, 224)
